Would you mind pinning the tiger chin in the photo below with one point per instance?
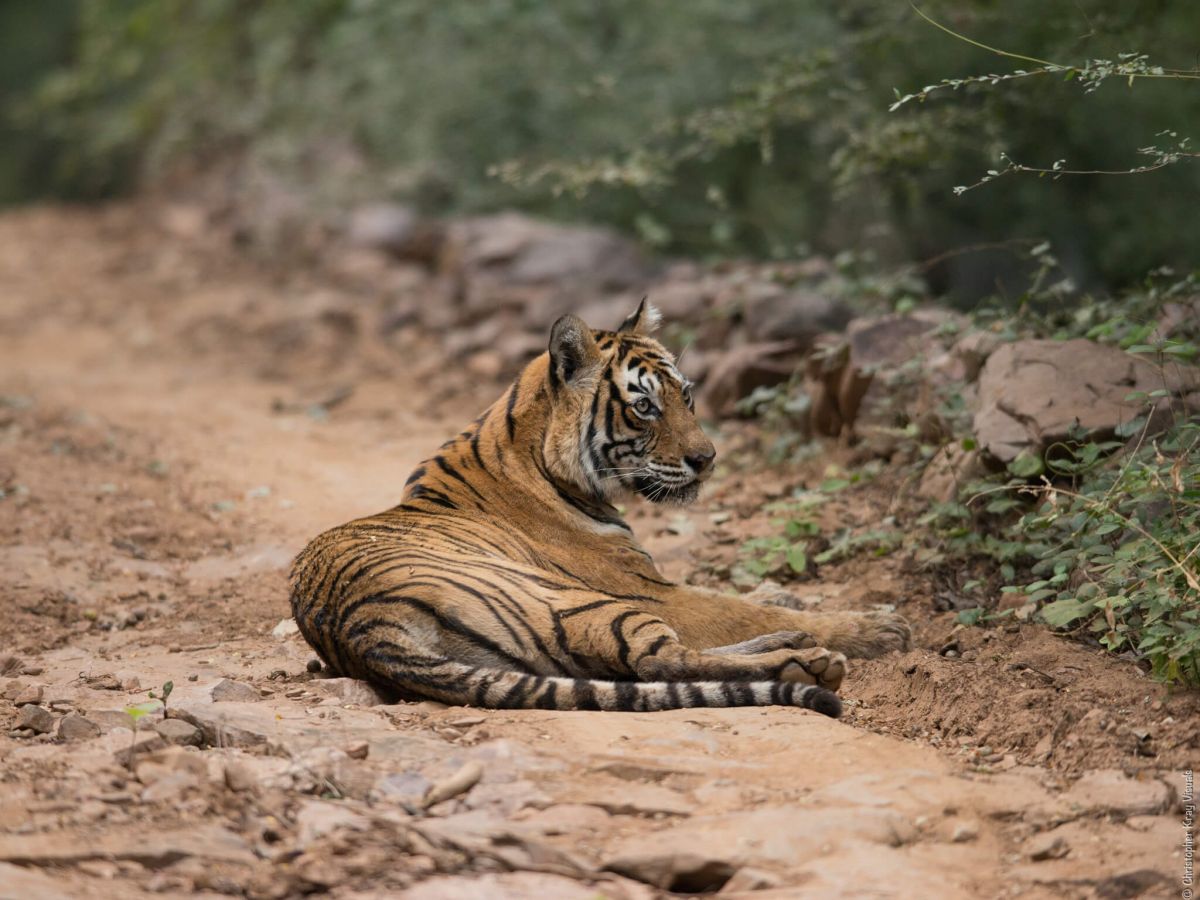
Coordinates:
(506, 578)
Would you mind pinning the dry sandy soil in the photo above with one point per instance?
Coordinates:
(175, 424)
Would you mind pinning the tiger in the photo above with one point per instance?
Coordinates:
(506, 577)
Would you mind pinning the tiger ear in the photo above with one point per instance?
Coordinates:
(572, 350)
(645, 320)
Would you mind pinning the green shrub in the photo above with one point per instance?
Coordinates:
(1098, 536)
(708, 127)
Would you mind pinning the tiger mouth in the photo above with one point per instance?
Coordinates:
(657, 491)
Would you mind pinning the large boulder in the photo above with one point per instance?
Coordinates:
(1031, 393)
(891, 340)
(396, 230)
(773, 313)
(543, 269)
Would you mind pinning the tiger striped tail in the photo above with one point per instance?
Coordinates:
(457, 683)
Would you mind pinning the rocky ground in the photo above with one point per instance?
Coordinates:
(176, 422)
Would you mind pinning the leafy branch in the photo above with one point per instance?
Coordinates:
(1161, 159)
(1092, 74)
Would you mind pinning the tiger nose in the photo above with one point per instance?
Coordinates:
(701, 461)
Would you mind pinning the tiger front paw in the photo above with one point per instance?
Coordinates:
(817, 665)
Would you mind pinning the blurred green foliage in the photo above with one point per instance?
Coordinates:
(707, 127)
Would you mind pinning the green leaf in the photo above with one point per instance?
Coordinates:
(801, 527)
(969, 444)
(1181, 350)
(1130, 428)
(832, 485)
(1027, 465)
(142, 709)
(1063, 612)
(969, 616)
(797, 559)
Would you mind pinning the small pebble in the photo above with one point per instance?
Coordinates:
(239, 777)
(179, 732)
(964, 832)
(36, 719)
(314, 666)
(74, 727)
(31, 694)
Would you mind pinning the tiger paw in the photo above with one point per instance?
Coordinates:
(883, 632)
(770, 593)
(769, 643)
(816, 665)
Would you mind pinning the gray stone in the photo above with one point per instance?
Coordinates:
(30, 694)
(798, 316)
(227, 691)
(234, 725)
(349, 691)
(512, 261)
(239, 777)
(402, 787)
(890, 340)
(691, 873)
(141, 745)
(973, 350)
(1115, 793)
(964, 832)
(380, 225)
(1031, 393)
(74, 727)
(179, 732)
(36, 719)
(396, 230)
(1047, 845)
(128, 681)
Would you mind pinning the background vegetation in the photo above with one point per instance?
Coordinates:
(709, 127)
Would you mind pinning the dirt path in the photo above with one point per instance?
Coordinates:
(168, 442)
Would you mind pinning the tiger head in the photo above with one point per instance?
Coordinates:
(621, 417)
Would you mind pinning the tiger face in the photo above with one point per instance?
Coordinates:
(622, 418)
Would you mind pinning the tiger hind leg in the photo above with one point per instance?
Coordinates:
(665, 658)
